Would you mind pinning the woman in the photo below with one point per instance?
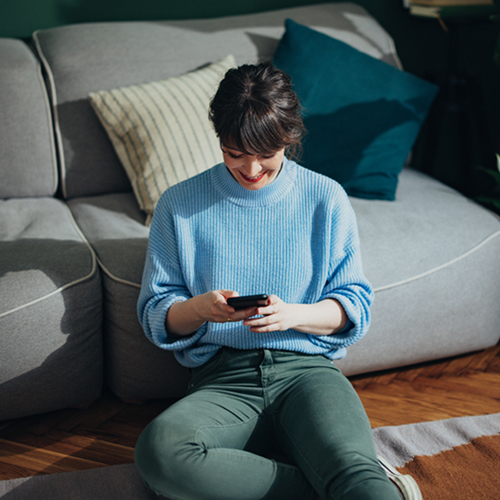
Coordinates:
(267, 415)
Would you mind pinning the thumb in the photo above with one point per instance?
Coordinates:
(228, 293)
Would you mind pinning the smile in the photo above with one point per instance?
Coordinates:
(253, 179)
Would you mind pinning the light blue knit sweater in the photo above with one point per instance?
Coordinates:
(296, 237)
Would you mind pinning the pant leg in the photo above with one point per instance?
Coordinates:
(322, 424)
(202, 446)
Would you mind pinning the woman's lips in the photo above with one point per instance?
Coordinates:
(253, 179)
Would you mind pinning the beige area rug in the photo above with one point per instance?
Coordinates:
(450, 460)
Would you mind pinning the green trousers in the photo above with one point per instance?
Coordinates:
(264, 424)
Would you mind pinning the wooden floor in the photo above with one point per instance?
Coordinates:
(106, 432)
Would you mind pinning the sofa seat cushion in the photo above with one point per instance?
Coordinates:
(50, 312)
(134, 367)
(430, 227)
(85, 58)
(432, 257)
(115, 226)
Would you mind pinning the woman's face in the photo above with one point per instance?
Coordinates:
(253, 171)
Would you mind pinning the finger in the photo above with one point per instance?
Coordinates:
(219, 297)
(242, 314)
(258, 322)
(225, 313)
(265, 328)
(273, 299)
(272, 306)
(267, 310)
(219, 310)
(223, 295)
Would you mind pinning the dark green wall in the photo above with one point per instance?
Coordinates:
(421, 43)
(19, 18)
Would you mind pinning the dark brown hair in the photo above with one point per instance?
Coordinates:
(256, 111)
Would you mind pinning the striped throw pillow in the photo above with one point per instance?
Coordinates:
(161, 131)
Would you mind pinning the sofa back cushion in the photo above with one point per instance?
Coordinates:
(27, 151)
(86, 58)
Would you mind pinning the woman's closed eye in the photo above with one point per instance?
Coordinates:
(237, 156)
(233, 155)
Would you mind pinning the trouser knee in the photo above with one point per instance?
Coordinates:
(160, 461)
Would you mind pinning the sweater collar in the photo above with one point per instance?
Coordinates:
(233, 191)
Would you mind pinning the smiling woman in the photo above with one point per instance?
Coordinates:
(262, 375)
(268, 123)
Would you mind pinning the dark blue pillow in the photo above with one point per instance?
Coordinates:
(362, 115)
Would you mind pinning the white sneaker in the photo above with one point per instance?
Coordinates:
(406, 485)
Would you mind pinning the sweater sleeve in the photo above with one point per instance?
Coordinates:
(162, 282)
(346, 280)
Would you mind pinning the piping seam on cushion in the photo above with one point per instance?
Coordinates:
(438, 268)
(55, 115)
(109, 274)
(67, 285)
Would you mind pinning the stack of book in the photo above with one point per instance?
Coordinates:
(451, 8)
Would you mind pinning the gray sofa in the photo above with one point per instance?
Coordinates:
(73, 239)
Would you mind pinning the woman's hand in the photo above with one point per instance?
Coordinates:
(322, 318)
(185, 317)
(277, 316)
(213, 307)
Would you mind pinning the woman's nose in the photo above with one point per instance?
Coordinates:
(252, 166)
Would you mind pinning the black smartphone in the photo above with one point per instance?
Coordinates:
(248, 301)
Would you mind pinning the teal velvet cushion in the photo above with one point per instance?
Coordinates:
(362, 115)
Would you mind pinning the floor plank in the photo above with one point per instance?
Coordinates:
(42, 460)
